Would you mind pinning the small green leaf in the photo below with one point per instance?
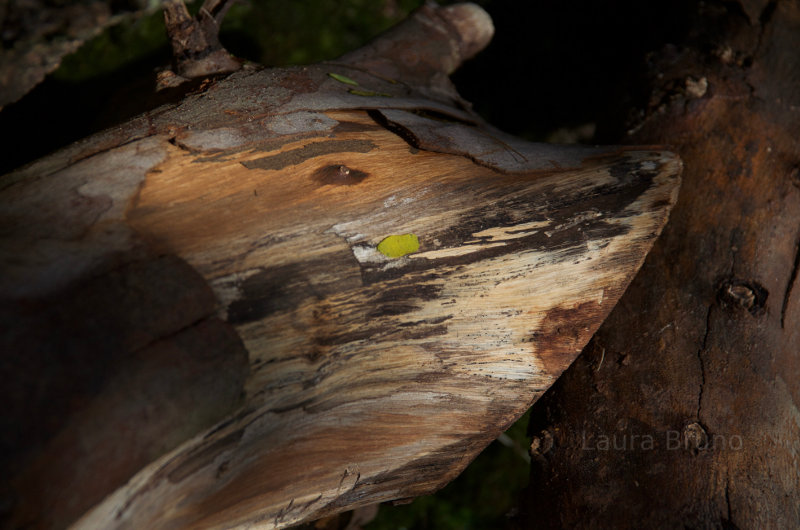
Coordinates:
(397, 246)
(343, 79)
(368, 93)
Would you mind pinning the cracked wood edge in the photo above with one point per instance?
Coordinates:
(374, 379)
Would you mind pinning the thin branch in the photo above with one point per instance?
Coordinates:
(196, 49)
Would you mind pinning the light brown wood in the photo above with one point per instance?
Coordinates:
(367, 378)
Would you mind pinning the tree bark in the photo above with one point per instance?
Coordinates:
(300, 290)
(682, 410)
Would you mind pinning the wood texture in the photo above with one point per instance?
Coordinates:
(701, 355)
(375, 378)
(196, 49)
(367, 378)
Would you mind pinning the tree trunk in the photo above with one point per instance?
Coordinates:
(300, 291)
(682, 410)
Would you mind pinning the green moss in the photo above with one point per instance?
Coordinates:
(116, 48)
(278, 33)
(270, 32)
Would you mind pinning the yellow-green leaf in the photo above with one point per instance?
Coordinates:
(368, 93)
(397, 246)
(343, 79)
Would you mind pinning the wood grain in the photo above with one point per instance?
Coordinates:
(238, 231)
(701, 353)
(373, 378)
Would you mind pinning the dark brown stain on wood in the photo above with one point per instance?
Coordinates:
(415, 291)
(337, 339)
(391, 309)
(562, 331)
(308, 151)
(375, 314)
(425, 333)
(338, 175)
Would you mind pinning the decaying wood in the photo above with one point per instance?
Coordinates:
(693, 380)
(196, 49)
(230, 244)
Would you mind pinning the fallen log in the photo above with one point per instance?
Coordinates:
(300, 290)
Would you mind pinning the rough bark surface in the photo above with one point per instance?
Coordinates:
(205, 330)
(196, 49)
(682, 410)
